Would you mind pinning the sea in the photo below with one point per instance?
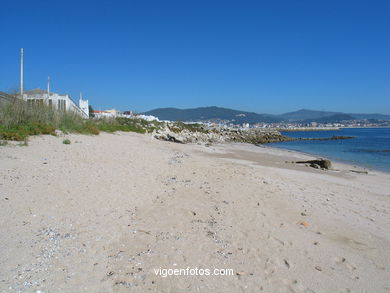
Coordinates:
(369, 148)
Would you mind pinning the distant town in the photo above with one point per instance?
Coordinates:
(231, 124)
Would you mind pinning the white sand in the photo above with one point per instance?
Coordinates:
(101, 214)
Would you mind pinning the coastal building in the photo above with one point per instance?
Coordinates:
(101, 114)
(106, 113)
(84, 105)
(57, 101)
(126, 114)
(54, 100)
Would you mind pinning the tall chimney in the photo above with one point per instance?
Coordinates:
(48, 86)
(21, 71)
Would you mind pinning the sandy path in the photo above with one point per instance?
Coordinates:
(101, 214)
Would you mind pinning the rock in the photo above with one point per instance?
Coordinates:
(174, 139)
(320, 163)
(59, 133)
(315, 166)
(168, 136)
(179, 133)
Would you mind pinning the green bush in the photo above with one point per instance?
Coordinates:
(66, 141)
(18, 120)
(179, 126)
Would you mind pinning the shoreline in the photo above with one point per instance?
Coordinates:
(333, 160)
(294, 155)
(104, 212)
(369, 164)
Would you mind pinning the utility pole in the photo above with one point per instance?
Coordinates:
(21, 72)
(48, 86)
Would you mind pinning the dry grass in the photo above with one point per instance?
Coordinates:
(18, 120)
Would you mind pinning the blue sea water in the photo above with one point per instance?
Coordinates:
(370, 148)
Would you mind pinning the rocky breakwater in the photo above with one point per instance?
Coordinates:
(189, 133)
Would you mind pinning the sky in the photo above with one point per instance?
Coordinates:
(262, 56)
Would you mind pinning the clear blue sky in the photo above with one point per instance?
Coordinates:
(268, 56)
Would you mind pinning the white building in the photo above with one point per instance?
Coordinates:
(57, 101)
(107, 113)
(148, 117)
(83, 105)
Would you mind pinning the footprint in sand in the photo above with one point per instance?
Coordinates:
(343, 261)
(269, 267)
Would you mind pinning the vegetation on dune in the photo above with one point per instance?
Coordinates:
(18, 121)
(178, 127)
(126, 124)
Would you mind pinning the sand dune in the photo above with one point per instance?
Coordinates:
(103, 213)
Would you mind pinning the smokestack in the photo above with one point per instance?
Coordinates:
(48, 86)
(21, 71)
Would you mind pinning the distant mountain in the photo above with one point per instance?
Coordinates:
(336, 118)
(211, 114)
(239, 117)
(371, 116)
(304, 115)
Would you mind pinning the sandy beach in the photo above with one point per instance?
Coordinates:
(107, 212)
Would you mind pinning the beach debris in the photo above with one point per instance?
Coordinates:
(341, 260)
(142, 231)
(319, 163)
(286, 263)
(359, 171)
(303, 214)
(305, 224)
(318, 268)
